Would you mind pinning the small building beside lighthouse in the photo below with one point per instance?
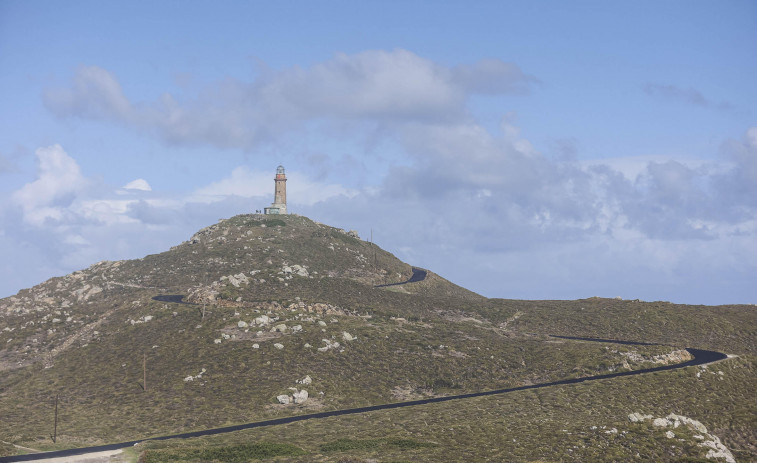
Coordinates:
(279, 205)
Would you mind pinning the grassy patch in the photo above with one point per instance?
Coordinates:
(343, 445)
(273, 223)
(232, 454)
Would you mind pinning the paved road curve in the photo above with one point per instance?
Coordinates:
(418, 275)
(701, 357)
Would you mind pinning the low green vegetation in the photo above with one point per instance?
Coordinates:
(344, 445)
(582, 422)
(240, 453)
(90, 337)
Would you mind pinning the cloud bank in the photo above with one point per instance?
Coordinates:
(377, 85)
(502, 219)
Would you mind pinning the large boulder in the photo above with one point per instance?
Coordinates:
(329, 345)
(662, 422)
(281, 328)
(638, 417)
(236, 280)
(263, 320)
(300, 396)
(300, 270)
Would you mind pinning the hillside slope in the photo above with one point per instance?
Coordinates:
(277, 306)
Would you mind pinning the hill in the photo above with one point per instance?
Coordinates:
(273, 306)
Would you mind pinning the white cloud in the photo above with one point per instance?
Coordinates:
(375, 85)
(740, 183)
(506, 221)
(632, 167)
(95, 94)
(138, 184)
(58, 180)
(242, 182)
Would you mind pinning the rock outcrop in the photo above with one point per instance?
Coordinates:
(716, 449)
(300, 396)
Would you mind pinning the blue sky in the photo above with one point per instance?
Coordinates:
(521, 149)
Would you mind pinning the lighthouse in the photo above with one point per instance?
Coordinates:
(279, 205)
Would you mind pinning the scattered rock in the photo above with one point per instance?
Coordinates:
(256, 346)
(281, 328)
(347, 336)
(236, 280)
(300, 396)
(192, 378)
(263, 320)
(329, 345)
(676, 356)
(690, 422)
(283, 399)
(661, 423)
(144, 319)
(300, 270)
(716, 448)
(278, 346)
(307, 380)
(638, 417)
(242, 324)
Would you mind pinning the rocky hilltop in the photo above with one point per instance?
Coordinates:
(258, 317)
(231, 264)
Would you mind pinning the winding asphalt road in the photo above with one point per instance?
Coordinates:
(700, 357)
(418, 275)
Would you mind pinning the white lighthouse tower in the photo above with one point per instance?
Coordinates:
(279, 205)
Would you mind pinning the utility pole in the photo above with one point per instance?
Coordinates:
(55, 426)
